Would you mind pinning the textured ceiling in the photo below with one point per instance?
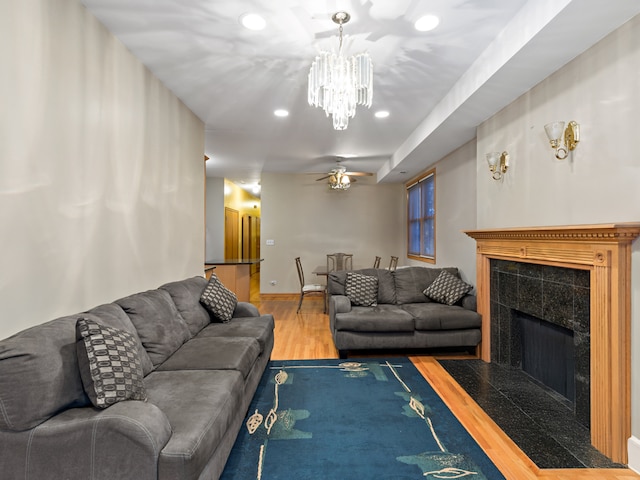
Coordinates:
(438, 86)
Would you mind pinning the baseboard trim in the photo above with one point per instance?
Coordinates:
(279, 296)
(633, 453)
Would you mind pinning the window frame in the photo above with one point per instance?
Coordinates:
(422, 218)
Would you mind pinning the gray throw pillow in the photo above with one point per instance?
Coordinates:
(361, 289)
(447, 288)
(109, 362)
(218, 299)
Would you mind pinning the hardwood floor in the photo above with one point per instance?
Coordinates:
(306, 336)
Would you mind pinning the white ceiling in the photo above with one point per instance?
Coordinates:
(438, 86)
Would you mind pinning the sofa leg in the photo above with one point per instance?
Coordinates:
(342, 354)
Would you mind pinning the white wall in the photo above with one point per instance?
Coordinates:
(455, 212)
(307, 219)
(600, 90)
(101, 175)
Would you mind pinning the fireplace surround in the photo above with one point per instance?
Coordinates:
(540, 324)
(603, 250)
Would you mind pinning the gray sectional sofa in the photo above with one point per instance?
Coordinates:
(199, 378)
(403, 317)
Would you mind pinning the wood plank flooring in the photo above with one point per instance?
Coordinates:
(306, 336)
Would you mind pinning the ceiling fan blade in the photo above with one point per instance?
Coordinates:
(358, 174)
(323, 178)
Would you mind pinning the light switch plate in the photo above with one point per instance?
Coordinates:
(271, 242)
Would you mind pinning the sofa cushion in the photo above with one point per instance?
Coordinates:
(361, 289)
(109, 364)
(260, 328)
(218, 299)
(186, 295)
(215, 353)
(39, 374)
(437, 316)
(412, 281)
(386, 283)
(447, 289)
(381, 318)
(159, 325)
(201, 406)
(112, 315)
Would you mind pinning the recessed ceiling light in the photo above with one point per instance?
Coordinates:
(281, 113)
(426, 23)
(253, 21)
(381, 114)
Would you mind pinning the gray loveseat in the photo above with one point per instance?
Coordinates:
(404, 317)
(199, 374)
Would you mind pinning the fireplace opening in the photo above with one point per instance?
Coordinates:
(547, 353)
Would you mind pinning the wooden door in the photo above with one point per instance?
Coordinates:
(251, 240)
(254, 242)
(231, 234)
(246, 237)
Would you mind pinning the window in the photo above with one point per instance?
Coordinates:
(421, 218)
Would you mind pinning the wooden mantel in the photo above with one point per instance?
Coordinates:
(605, 250)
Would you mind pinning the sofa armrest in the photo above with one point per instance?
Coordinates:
(122, 441)
(470, 302)
(337, 304)
(246, 309)
(341, 303)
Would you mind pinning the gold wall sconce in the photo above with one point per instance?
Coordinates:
(557, 133)
(498, 164)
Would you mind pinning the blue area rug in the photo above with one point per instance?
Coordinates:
(365, 419)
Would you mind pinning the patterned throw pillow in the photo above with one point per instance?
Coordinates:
(447, 288)
(110, 365)
(218, 299)
(361, 289)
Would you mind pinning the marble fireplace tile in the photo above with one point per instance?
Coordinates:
(508, 288)
(581, 309)
(582, 278)
(530, 296)
(534, 417)
(549, 293)
(531, 270)
(557, 301)
(559, 275)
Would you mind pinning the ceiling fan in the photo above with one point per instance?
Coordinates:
(340, 179)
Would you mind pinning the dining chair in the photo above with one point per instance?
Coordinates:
(339, 261)
(311, 288)
(376, 263)
(393, 263)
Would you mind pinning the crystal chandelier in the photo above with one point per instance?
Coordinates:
(338, 83)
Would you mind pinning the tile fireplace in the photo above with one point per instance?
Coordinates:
(604, 251)
(540, 323)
